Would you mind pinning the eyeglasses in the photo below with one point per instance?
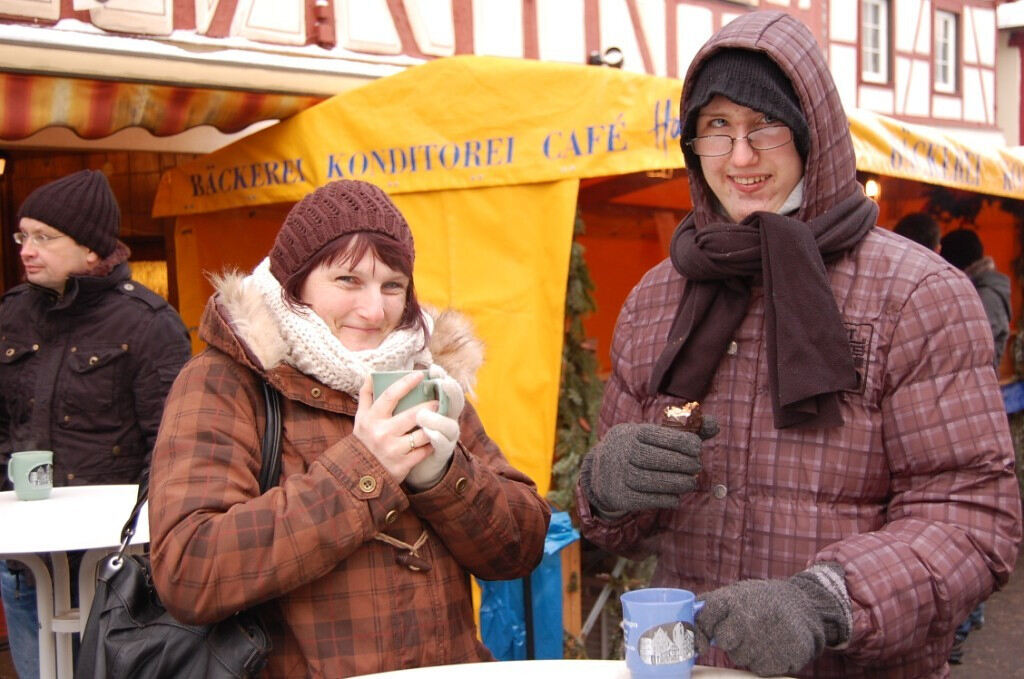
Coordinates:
(37, 239)
(762, 139)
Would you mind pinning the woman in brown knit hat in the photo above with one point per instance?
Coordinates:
(359, 560)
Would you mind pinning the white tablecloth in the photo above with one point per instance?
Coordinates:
(543, 669)
(86, 518)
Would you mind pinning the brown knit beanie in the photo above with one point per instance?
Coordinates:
(341, 207)
(750, 79)
(80, 205)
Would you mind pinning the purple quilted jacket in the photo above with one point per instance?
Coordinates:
(915, 495)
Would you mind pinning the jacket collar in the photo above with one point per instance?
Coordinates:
(80, 290)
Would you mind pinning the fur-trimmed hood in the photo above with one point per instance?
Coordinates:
(237, 321)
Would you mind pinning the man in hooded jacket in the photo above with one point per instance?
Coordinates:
(850, 496)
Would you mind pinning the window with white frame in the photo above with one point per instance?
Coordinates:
(874, 45)
(945, 57)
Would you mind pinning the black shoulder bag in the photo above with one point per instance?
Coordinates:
(129, 632)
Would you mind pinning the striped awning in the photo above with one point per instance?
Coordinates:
(93, 109)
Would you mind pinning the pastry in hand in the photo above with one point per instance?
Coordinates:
(687, 417)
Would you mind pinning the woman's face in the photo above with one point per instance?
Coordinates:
(746, 180)
(361, 302)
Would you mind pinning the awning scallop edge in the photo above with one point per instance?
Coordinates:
(93, 109)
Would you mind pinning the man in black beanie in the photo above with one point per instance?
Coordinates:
(833, 521)
(87, 356)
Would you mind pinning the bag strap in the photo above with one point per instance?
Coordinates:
(270, 467)
(270, 470)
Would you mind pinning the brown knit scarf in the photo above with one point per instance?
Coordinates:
(809, 355)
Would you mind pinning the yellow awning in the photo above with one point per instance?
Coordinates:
(468, 121)
(457, 123)
(920, 153)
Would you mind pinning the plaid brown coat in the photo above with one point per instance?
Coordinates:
(915, 495)
(338, 602)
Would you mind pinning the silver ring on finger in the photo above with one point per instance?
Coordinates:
(412, 441)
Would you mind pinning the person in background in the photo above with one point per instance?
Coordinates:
(921, 228)
(858, 499)
(359, 560)
(87, 356)
(963, 249)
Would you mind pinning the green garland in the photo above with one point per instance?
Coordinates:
(580, 388)
(579, 399)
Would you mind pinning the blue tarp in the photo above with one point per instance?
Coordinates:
(1013, 397)
(502, 616)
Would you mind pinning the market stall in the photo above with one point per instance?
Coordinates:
(488, 158)
(483, 156)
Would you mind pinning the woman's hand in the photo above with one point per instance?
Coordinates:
(443, 433)
(451, 388)
(394, 439)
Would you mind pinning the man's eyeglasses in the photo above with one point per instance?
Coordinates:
(759, 140)
(37, 239)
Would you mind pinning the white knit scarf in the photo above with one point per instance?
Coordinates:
(314, 350)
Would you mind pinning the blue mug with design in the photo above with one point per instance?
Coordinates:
(657, 625)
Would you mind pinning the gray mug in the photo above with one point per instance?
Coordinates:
(31, 472)
(427, 390)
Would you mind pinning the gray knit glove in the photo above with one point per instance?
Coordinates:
(776, 627)
(642, 466)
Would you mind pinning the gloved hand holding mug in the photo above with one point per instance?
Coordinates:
(442, 431)
(774, 627)
(452, 389)
(643, 466)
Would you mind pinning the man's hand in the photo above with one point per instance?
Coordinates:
(777, 627)
(642, 466)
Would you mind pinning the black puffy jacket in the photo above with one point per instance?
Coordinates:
(85, 374)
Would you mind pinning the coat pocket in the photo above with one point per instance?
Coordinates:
(93, 378)
(19, 367)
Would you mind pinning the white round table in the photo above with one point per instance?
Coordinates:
(543, 669)
(86, 518)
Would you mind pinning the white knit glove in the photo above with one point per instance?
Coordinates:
(443, 433)
(452, 389)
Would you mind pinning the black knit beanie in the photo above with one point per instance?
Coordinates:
(80, 205)
(341, 207)
(961, 248)
(750, 79)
